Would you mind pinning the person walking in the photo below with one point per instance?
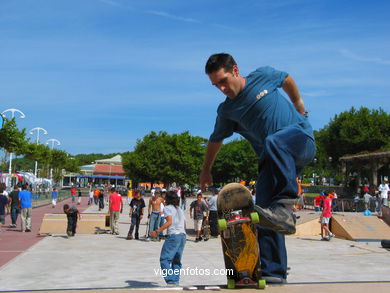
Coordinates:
(54, 195)
(25, 203)
(73, 193)
(384, 193)
(172, 250)
(115, 206)
(13, 199)
(101, 199)
(280, 135)
(137, 205)
(79, 196)
(90, 196)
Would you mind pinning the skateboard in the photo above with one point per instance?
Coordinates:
(237, 223)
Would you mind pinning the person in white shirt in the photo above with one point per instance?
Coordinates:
(384, 193)
(172, 250)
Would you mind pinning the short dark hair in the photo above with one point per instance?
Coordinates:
(172, 198)
(66, 206)
(218, 61)
(112, 189)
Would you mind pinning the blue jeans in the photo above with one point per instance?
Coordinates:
(285, 154)
(14, 214)
(154, 222)
(170, 258)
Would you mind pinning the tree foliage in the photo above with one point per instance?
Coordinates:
(167, 158)
(355, 131)
(236, 160)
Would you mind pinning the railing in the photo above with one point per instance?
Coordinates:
(348, 205)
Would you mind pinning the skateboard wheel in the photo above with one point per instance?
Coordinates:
(231, 284)
(222, 224)
(262, 284)
(255, 218)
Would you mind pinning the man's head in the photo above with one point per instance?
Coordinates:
(66, 208)
(199, 197)
(112, 189)
(223, 73)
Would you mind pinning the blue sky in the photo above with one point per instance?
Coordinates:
(100, 74)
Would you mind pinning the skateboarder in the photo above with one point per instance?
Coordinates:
(282, 138)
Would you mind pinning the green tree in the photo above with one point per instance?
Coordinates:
(12, 139)
(167, 158)
(355, 131)
(235, 160)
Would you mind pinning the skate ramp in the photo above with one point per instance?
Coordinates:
(89, 224)
(386, 214)
(357, 227)
(307, 223)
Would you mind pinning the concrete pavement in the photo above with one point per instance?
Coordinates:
(108, 262)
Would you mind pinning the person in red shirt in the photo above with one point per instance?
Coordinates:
(73, 193)
(325, 218)
(318, 200)
(115, 208)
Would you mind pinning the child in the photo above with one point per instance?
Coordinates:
(137, 206)
(73, 215)
(172, 250)
(325, 217)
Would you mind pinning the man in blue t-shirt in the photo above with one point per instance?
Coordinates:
(25, 200)
(282, 138)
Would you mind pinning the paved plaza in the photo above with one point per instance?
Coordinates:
(107, 262)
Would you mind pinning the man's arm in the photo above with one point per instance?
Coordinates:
(291, 90)
(206, 179)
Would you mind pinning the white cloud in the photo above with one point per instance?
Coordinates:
(175, 17)
(351, 55)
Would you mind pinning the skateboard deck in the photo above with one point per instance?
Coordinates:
(237, 224)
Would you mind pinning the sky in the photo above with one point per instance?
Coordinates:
(100, 74)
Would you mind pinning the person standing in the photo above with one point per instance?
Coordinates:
(280, 135)
(101, 199)
(325, 218)
(73, 193)
(3, 205)
(154, 209)
(384, 193)
(213, 214)
(198, 208)
(13, 199)
(90, 198)
(79, 196)
(172, 250)
(115, 207)
(25, 203)
(136, 214)
(54, 195)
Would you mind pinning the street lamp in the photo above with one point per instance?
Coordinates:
(12, 110)
(37, 129)
(330, 163)
(52, 141)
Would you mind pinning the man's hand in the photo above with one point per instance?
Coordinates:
(205, 180)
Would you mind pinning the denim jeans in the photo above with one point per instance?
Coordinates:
(154, 222)
(285, 154)
(14, 214)
(135, 221)
(170, 258)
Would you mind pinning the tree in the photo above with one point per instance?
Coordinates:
(12, 139)
(167, 158)
(354, 132)
(236, 160)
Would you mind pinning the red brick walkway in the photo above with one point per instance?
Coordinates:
(13, 242)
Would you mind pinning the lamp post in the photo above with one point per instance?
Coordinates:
(53, 141)
(12, 110)
(330, 164)
(37, 129)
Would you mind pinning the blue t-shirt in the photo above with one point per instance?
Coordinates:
(54, 194)
(259, 110)
(25, 197)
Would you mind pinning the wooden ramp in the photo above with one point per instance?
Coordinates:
(357, 227)
(307, 223)
(89, 224)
